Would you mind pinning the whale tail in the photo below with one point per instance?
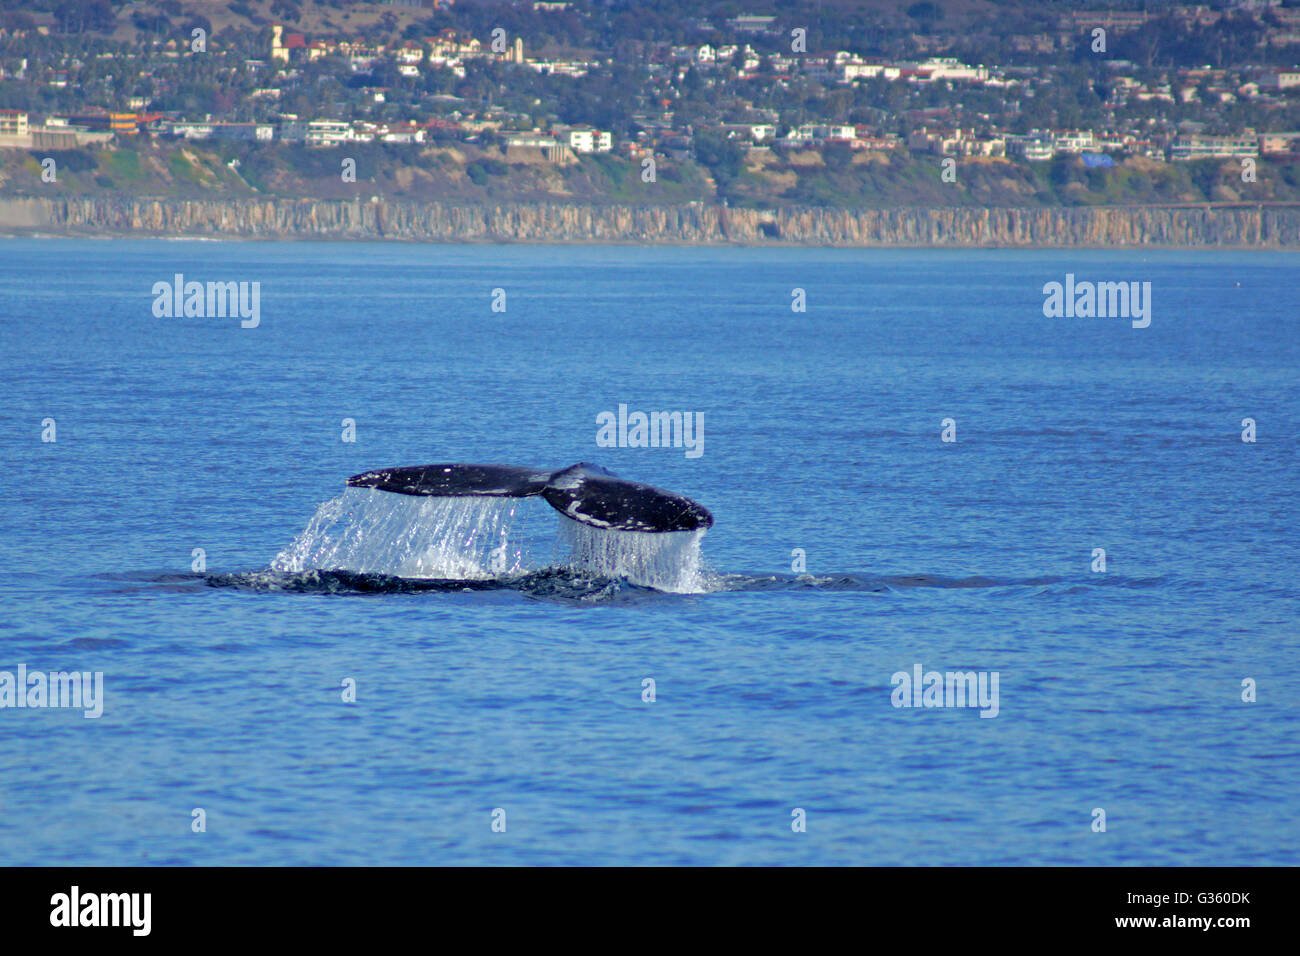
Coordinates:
(586, 493)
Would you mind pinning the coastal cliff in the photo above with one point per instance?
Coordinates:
(1276, 227)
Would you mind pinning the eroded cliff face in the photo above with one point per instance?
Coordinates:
(1224, 227)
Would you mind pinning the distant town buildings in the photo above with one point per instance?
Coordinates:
(406, 92)
(586, 140)
(1186, 148)
(13, 123)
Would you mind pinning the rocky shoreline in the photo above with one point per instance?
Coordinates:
(1218, 227)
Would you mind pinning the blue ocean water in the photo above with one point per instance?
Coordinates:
(1118, 690)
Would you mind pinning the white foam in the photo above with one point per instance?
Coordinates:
(668, 561)
(411, 537)
(477, 538)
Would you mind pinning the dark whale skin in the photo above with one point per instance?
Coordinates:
(586, 493)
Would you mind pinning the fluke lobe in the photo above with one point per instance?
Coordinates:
(586, 493)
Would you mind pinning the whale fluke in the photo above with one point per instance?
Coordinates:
(449, 481)
(586, 493)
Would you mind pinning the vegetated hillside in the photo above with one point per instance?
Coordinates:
(132, 21)
(759, 179)
(868, 180)
(632, 19)
(458, 172)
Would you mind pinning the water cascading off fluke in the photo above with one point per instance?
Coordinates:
(377, 533)
(485, 522)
